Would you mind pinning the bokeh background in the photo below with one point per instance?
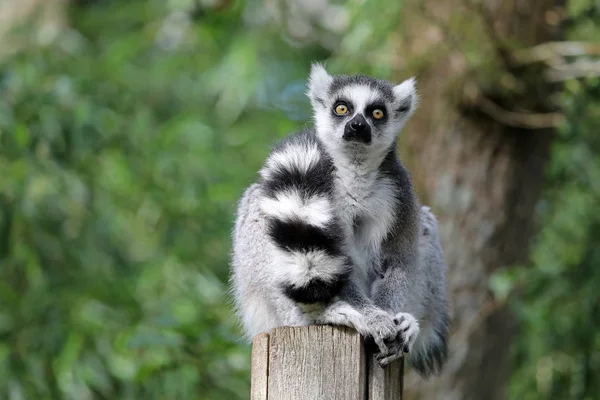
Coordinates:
(129, 129)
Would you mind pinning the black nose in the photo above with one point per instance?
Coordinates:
(357, 125)
(357, 130)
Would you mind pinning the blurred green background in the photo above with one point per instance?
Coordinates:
(128, 131)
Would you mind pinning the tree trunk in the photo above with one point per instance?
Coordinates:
(481, 176)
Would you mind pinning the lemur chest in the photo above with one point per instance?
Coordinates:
(366, 206)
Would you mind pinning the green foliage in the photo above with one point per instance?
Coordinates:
(125, 145)
(557, 353)
(124, 148)
(559, 344)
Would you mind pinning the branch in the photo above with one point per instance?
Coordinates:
(520, 120)
(474, 98)
(578, 69)
(548, 51)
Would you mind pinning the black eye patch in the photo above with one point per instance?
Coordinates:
(342, 102)
(405, 106)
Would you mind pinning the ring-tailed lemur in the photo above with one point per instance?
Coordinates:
(333, 232)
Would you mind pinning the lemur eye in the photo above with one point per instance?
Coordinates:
(341, 109)
(377, 114)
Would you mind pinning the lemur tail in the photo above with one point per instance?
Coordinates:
(297, 182)
(430, 355)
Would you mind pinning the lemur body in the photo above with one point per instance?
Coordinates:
(333, 232)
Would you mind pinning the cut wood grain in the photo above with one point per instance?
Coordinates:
(260, 367)
(385, 383)
(320, 362)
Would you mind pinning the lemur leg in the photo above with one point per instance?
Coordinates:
(426, 300)
(397, 292)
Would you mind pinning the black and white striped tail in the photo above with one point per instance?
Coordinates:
(298, 182)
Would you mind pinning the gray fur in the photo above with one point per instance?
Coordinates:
(333, 232)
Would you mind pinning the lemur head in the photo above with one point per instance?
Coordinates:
(357, 111)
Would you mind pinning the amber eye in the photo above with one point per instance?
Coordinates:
(377, 114)
(341, 109)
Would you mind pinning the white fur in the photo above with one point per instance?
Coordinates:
(299, 268)
(378, 216)
(372, 201)
(256, 315)
(300, 157)
(410, 326)
(407, 89)
(289, 205)
(318, 81)
(360, 95)
(342, 313)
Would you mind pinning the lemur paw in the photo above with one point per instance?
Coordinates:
(409, 330)
(429, 224)
(382, 328)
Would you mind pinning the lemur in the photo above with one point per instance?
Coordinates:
(333, 233)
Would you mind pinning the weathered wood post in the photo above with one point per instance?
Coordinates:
(320, 362)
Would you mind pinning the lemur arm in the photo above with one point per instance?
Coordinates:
(417, 291)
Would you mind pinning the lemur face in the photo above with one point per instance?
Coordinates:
(358, 110)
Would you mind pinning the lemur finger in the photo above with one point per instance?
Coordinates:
(409, 330)
(379, 341)
(385, 360)
(402, 323)
(395, 351)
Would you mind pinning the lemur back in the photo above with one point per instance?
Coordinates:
(332, 232)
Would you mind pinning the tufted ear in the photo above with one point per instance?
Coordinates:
(318, 83)
(407, 98)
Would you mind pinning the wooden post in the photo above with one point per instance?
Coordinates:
(320, 362)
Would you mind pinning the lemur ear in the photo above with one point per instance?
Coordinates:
(318, 83)
(407, 98)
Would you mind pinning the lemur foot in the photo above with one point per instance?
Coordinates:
(409, 330)
(382, 328)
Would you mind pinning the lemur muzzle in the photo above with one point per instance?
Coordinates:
(357, 130)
